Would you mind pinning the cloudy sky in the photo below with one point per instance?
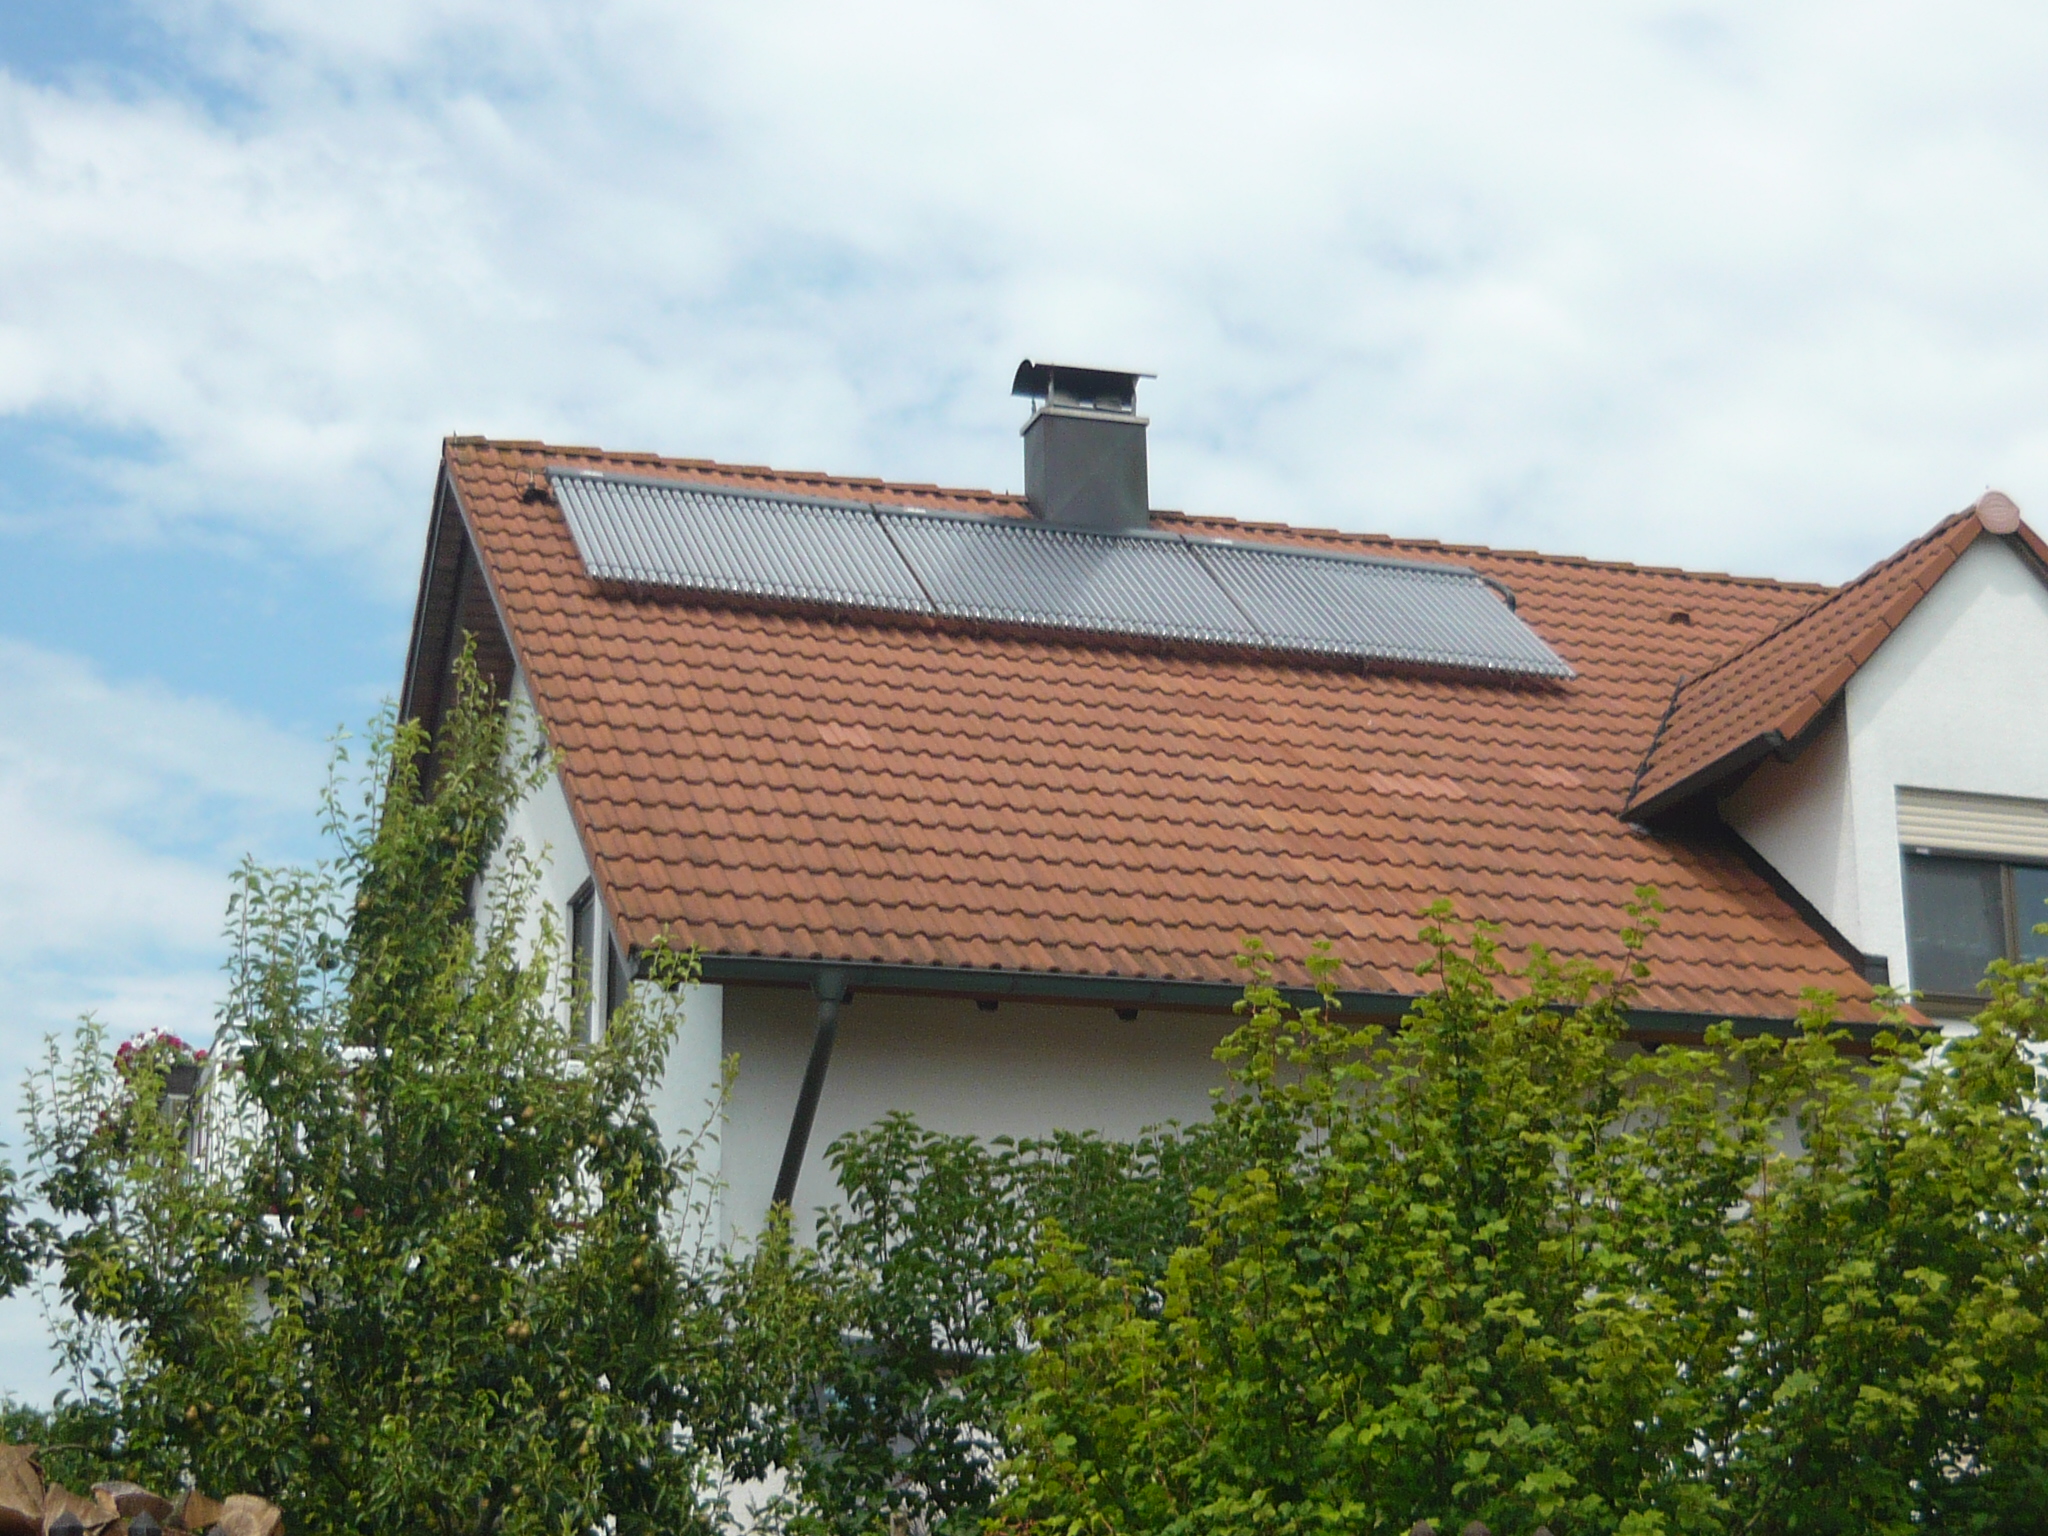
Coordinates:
(1750, 287)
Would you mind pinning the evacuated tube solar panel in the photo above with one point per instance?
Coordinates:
(1369, 608)
(725, 539)
(729, 541)
(1026, 573)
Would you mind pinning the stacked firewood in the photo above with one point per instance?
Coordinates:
(29, 1506)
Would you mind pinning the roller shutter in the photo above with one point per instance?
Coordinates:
(1992, 825)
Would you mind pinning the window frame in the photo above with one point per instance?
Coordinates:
(618, 977)
(583, 974)
(2011, 928)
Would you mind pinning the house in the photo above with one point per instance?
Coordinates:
(970, 799)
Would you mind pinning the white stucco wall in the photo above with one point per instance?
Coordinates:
(541, 823)
(1956, 699)
(686, 1107)
(1801, 817)
(1023, 1070)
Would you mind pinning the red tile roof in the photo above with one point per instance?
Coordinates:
(804, 785)
(1771, 692)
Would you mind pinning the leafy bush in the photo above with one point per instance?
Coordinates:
(877, 1367)
(423, 1273)
(420, 1265)
(1496, 1265)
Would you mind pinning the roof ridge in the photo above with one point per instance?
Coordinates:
(644, 460)
(814, 477)
(1495, 551)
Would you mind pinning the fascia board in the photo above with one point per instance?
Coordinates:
(1647, 1024)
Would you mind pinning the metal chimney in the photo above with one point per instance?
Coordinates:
(1084, 447)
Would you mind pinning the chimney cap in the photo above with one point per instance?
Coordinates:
(1102, 389)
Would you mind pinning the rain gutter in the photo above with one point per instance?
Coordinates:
(1644, 1024)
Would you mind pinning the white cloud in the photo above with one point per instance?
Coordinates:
(1735, 285)
(132, 761)
(123, 807)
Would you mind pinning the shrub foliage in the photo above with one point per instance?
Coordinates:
(1495, 1265)
(426, 1267)
(424, 1273)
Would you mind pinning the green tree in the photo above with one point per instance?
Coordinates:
(877, 1368)
(1496, 1264)
(418, 1265)
(417, 1262)
(21, 1240)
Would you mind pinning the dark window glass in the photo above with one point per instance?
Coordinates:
(616, 981)
(2030, 909)
(582, 944)
(1955, 922)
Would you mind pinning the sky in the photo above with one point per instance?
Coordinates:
(1746, 287)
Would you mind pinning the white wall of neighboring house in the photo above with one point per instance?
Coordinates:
(1957, 700)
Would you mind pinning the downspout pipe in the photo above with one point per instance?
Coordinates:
(831, 990)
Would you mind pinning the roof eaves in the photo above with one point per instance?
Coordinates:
(1725, 766)
(2032, 544)
(1793, 734)
(1057, 987)
(435, 576)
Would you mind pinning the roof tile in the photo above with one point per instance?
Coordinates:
(800, 784)
(1773, 689)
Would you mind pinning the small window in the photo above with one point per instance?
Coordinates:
(617, 983)
(582, 974)
(1962, 914)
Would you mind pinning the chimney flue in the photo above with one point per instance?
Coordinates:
(1084, 447)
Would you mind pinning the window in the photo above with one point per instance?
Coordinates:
(616, 982)
(594, 993)
(1963, 913)
(582, 974)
